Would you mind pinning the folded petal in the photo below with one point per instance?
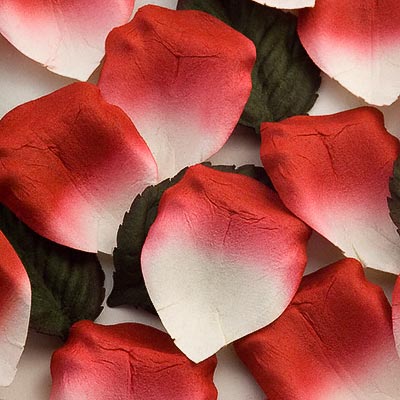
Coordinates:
(287, 4)
(356, 42)
(67, 37)
(334, 341)
(15, 305)
(223, 258)
(125, 362)
(70, 165)
(333, 173)
(183, 77)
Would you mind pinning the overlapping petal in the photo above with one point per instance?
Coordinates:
(67, 37)
(124, 362)
(70, 165)
(223, 258)
(357, 43)
(333, 173)
(15, 305)
(334, 341)
(287, 4)
(183, 77)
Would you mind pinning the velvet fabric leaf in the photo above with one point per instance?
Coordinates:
(129, 286)
(127, 362)
(67, 285)
(15, 304)
(66, 36)
(287, 4)
(223, 258)
(333, 173)
(394, 200)
(334, 341)
(285, 80)
(70, 165)
(183, 77)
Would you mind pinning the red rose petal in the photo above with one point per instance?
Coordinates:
(223, 258)
(66, 36)
(396, 314)
(15, 306)
(334, 342)
(183, 77)
(126, 362)
(70, 165)
(333, 173)
(356, 42)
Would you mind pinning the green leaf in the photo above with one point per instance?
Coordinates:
(394, 201)
(285, 80)
(67, 285)
(129, 287)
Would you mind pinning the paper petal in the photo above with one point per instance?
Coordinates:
(334, 342)
(70, 166)
(356, 42)
(183, 77)
(396, 314)
(223, 258)
(287, 4)
(125, 362)
(333, 173)
(15, 305)
(67, 37)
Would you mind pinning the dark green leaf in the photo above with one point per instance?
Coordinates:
(394, 201)
(129, 287)
(67, 285)
(285, 80)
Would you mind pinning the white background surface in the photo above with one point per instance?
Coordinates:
(22, 80)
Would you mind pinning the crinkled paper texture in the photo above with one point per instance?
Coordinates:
(334, 341)
(125, 362)
(70, 165)
(67, 37)
(15, 305)
(223, 258)
(333, 173)
(183, 77)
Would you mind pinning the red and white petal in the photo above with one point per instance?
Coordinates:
(396, 313)
(15, 307)
(124, 362)
(22, 79)
(287, 4)
(70, 165)
(357, 43)
(67, 37)
(223, 258)
(334, 341)
(183, 77)
(333, 173)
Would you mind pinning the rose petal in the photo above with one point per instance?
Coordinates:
(70, 165)
(334, 342)
(287, 4)
(183, 77)
(356, 42)
(15, 306)
(124, 362)
(396, 314)
(223, 258)
(67, 37)
(22, 79)
(333, 173)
